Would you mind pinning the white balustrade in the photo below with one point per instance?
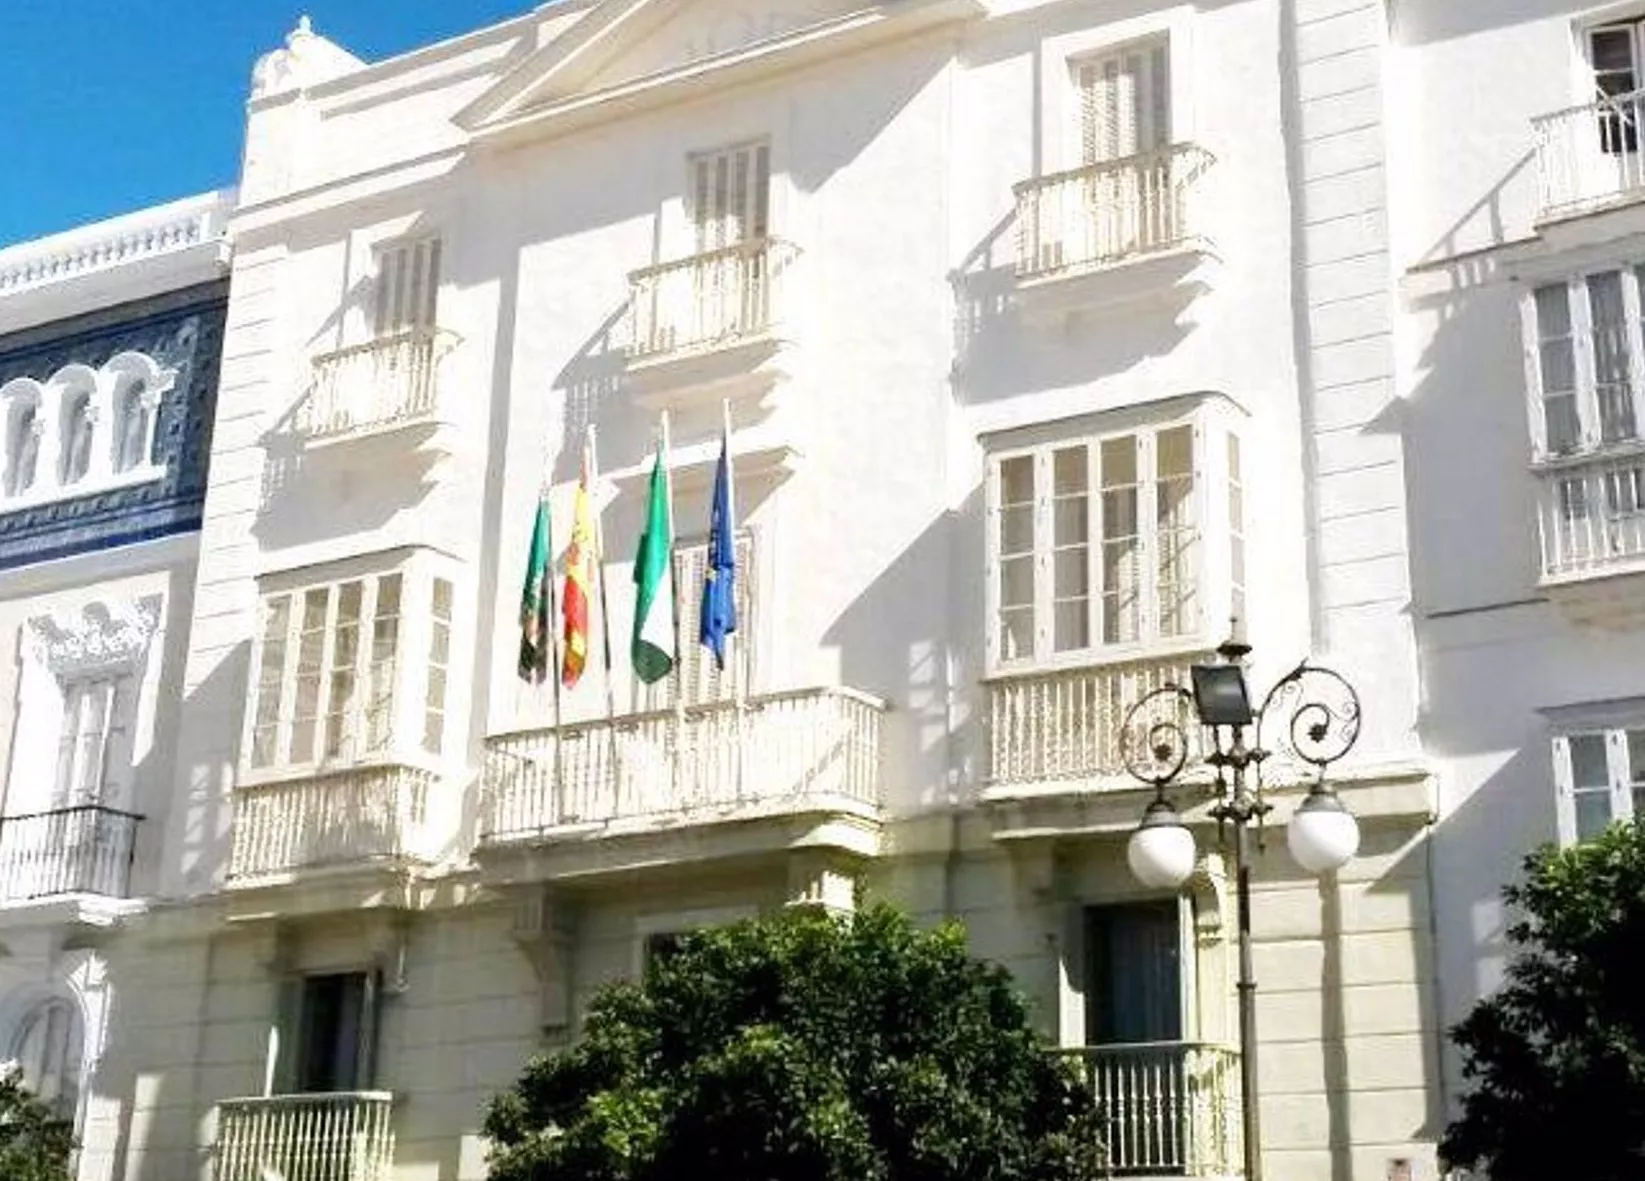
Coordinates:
(1592, 515)
(1167, 1108)
(149, 233)
(1066, 723)
(709, 300)
(1589, 156)
(384, 383)
(1110, 211)
(340, 1136)
(332, 818)
(784, 749)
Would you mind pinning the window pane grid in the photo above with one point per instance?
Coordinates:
(439, 657)
(1121, 542)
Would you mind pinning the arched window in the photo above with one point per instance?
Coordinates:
(22, 446)
(77, 431)
(49, 1045)
(132, 429)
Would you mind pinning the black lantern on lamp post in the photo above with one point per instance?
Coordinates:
(1311, 716)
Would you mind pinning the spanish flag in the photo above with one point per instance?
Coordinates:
(580, 557)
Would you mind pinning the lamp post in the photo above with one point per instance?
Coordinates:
(1311, 717)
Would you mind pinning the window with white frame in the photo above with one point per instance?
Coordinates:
(1616, 55)
(92, 743)
(1587, 361)
(406, 289)
(730, 196)
(1096, 544)
(1599, 775)
(334, 669)
(1125, 101)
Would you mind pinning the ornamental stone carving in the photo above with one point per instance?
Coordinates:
(102, 635)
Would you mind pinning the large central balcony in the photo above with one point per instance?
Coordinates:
(1588, 156)
(803, 753)
(82, 850)
(384, 385)
(1139, 222)
(357, 816)
(341, 1136)
(1168, 1109)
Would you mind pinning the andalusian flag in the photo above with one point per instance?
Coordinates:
(535, 597)
(653, 646)
(579, 584)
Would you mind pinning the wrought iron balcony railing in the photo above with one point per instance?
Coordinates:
(81, 850)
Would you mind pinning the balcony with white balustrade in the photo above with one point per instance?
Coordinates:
(1588, 157)
(723, 780)
(389, 386)
(1591, 518)
(1168, 1109)
(714, 325)
(363, 817)
(335, 1136)
(1126, 231)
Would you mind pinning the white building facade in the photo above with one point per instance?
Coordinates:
(1518, 244)
(1044, 358)
(109, 342)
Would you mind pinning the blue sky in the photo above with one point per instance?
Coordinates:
(111, 105)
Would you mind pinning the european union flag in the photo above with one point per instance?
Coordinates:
(719, 608)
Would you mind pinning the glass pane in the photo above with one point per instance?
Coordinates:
(310, 651)
(442, 599)
(1017, 530)
(1070, 520)
(1553, 311)
(345, 646)
(434, 703)
(265, 730)
(1636, 756)
(1561, 424)
(434, 715)
(1073, 574)
(1016, 633)
(1593, 813)
(1072, 629)
(385, 637)
(1588, 768)
(1070, 471)
(1017, 480)
(1017, 582)
(1175, 452)
(1119, 462)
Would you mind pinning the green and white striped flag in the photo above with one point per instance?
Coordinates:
(654, 636)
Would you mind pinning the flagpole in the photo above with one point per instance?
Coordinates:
(674, 606)
(553, 628)
(591, 462)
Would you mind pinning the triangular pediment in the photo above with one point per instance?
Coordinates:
(622, 52)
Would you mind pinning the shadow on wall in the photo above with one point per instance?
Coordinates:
(898, 639)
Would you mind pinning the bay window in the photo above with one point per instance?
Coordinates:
(1586, 361)
(335, 681)
(1099, 542)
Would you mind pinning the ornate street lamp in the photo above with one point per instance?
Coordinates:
(1311, 718)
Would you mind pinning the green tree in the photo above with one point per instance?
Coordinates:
(1556, 1058)
(35, 1145)
(805, 1047)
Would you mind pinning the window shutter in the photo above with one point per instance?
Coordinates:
(407, 286)
(1616, 762)
(1531, 340)
(697, 680)
(731, 196)
(1564, 797)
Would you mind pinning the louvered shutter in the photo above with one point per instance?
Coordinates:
(699, 681)
(1125, 103)
(1564, 795)
(731, 198)
(407, 286)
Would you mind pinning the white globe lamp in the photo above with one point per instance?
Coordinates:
(1323, 835)
(1161, 852)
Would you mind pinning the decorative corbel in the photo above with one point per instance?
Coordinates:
(1209, 886)
(818, 879)
(544, 930)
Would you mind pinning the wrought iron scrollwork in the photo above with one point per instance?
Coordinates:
(1312, 717)
(1156, 737)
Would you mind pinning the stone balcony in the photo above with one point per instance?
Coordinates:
(386, 386)
(359, 817)
(341, 1136)
(1169, 1109)
(711, 326)
(783, 769)
(1591, 524)
(1127, 231)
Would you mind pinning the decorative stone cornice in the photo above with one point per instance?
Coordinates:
(102, 635)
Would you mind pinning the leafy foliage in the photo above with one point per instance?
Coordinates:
(1556, 1057)
(806, 1047)
(35, 1145)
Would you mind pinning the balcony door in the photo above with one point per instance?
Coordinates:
(730, 215)
(1134, 1027)
(336, 1033)
(1125, 116)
